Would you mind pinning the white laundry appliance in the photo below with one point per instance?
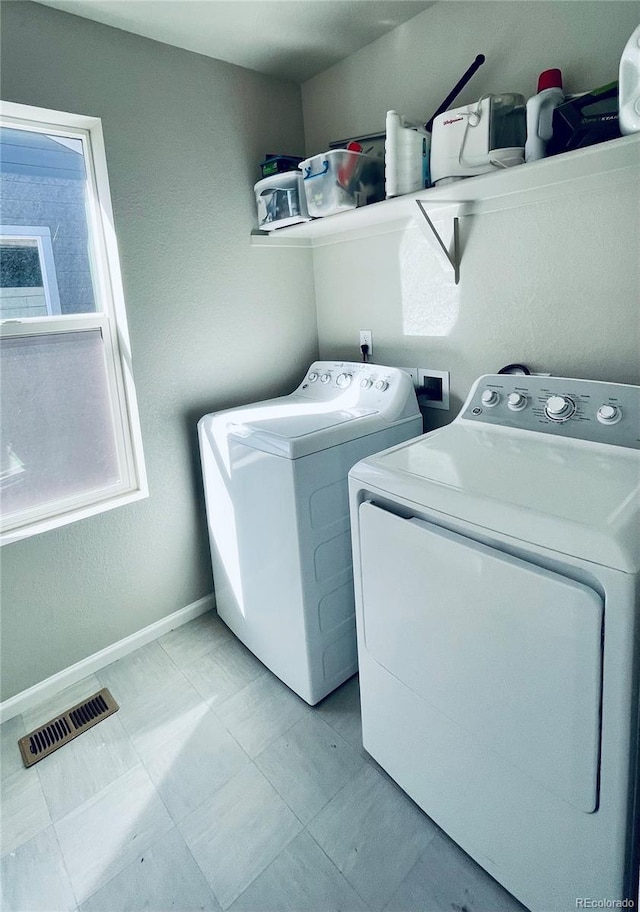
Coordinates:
(496, 569)
(276, 492)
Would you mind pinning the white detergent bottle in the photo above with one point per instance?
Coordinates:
(406, 156)
(629, 85)
(540, 114)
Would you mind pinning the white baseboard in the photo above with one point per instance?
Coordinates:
(30, 697)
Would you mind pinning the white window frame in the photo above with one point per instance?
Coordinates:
(42, 236)
(109, 318)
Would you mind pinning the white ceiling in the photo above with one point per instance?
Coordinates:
(291, 39)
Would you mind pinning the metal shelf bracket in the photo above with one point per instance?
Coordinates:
(453, 257)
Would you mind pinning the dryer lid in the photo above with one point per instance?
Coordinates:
(569, 496)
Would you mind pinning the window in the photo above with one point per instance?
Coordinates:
(28, 285)
(70, 443)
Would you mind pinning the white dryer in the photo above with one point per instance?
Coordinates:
(497, 577)
(275, 480)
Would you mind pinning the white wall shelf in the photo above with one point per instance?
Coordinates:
(582, 171)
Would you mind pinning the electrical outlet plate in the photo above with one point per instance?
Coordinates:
(366, 338)
(443, 377)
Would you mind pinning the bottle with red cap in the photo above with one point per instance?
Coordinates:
(540, 114)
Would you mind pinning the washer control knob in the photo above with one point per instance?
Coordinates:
(313, 377)
(343, 380)
(609, 414)
(516, 402)
(365, 384)
(559, 408)
(382, 385)
(490, 398)
(325, 378)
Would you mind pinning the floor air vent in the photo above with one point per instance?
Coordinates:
(68, 725)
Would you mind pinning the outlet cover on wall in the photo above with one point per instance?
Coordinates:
(366, 338)
(433, 388)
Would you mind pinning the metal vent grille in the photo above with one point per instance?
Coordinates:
(47, 738)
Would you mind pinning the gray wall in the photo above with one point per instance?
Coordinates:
(554, 285)
(213, 321)
(414, 67)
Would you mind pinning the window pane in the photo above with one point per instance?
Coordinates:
(56, 424)
(20, 264)
(43, 187)
(22, 292)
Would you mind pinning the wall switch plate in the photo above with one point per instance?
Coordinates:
(433, 388)
(366, 338)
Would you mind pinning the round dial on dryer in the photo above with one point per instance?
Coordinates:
(325, 378)
(559, 408)
(516, 402)
(490, 398)
(313, 377)
(365, 383)
(343, 380)
(382, 385)
(609, 414)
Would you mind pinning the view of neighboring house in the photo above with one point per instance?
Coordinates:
(44, 258)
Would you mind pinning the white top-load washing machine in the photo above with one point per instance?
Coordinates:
(496, 568)
(275, 479)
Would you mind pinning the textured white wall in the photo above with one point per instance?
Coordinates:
(213, 321)
(553, 285)
(413, 68)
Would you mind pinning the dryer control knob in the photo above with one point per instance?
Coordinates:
(325, 378)
(382, 385)
(559, 408)
(343, 380)
(365, 384)
(516, 402)
(609, 414)
(490, 398)
(313, 377)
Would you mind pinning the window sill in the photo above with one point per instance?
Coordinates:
(72, 515)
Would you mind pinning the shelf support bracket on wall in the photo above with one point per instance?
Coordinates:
(454, 257)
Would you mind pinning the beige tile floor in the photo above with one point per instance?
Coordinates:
(212, 788)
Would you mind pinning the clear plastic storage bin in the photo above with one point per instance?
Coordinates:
(280, 200)
(341, 179)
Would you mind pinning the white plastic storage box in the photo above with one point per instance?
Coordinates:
(280, 201)
(340, 179)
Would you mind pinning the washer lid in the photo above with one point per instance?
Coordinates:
(293, 427)
(570, 496)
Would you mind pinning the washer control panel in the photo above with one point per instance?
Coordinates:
(579, 409)
(359, 385)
